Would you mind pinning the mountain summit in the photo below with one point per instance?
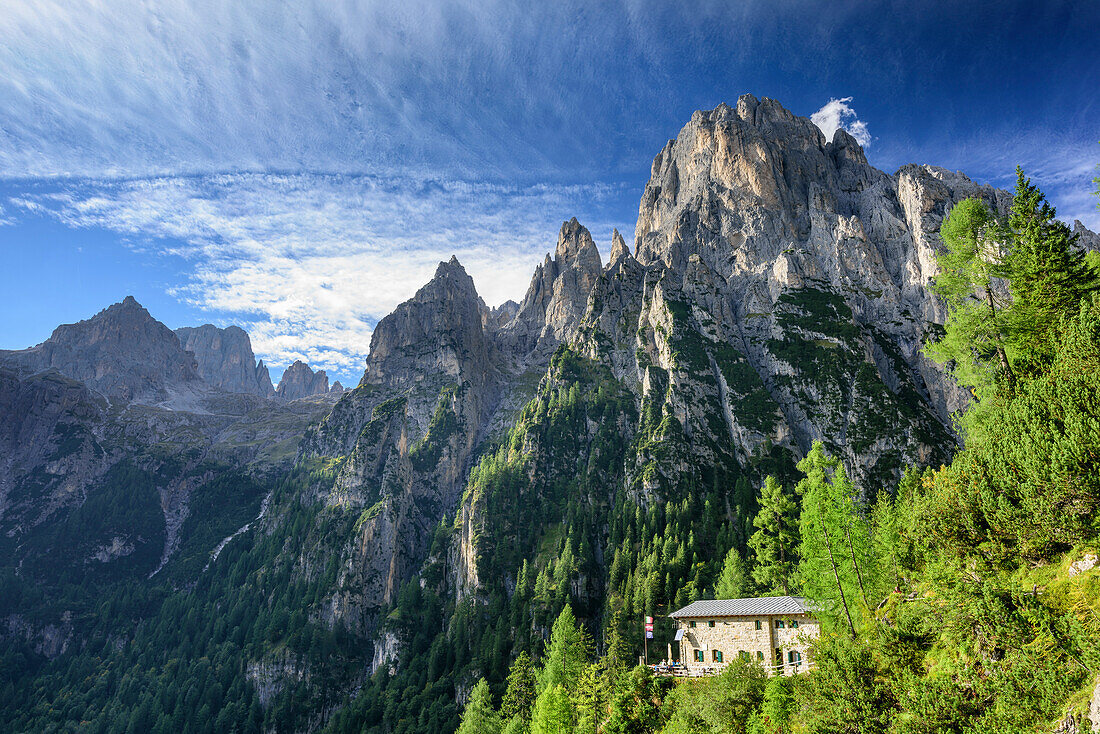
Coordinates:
(122, 352)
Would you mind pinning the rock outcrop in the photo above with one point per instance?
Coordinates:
(122, 352)
(225, 359)
(557, 296)
(299, 381)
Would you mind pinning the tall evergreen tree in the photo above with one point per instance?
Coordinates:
(775, 539)
(519, 696)
(553, 712)
(567, 654)
(733, 580)
(974, 331)
(886, 538)
(835, 545)
(479, 716)
(1048, 274)
(587, 701)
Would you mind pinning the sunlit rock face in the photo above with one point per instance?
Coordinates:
(776, 295)
(814, 267)
(556, 298)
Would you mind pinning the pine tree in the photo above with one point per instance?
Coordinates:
(835, 545)
(618, 655)
(775, 539)
(479, 716)
(886, 538)
(553, 713)
(1048, 274)
(733, 580)
(587, 701)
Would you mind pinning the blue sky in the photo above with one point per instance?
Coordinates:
(299, 168)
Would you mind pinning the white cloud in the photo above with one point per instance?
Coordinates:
(309, 263)
(838, 114)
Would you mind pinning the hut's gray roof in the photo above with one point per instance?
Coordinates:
(753, 607)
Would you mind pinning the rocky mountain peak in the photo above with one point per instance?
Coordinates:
(299, 381)
(122, 352)
(449, 276)
(618, 248)
(556, 299)
(1086, 238)
(225, 359)
(575, 247)
(439, 329)
(844, 147)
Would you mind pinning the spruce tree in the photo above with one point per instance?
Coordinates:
(519, 696)
(587, 701)
(733, 580)
(567, 654)
(775, 539)
(835, 542)
(1048, 274)
(973, 341)
(553, 712)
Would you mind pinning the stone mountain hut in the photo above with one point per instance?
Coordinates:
(775, 631)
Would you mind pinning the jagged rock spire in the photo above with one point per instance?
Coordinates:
(618, 248)
(558, 294)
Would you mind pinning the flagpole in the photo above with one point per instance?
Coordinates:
(648, 632)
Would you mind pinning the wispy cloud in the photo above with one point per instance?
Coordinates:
(837, 114)
(132, 88)
(308, 263)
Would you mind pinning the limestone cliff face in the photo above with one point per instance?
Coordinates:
(440, 331)
(121, 352)
(109, 427)
(794, 274)
(406, 436)
(225, 359)
(776, 295)
(299, 381)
